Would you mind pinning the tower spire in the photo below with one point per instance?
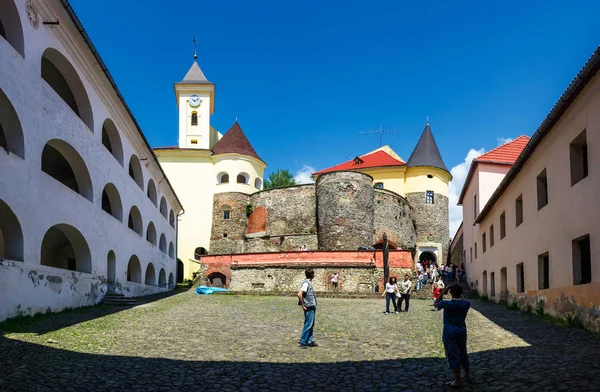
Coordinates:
(195, 55)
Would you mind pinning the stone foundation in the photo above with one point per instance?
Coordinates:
(573, 302)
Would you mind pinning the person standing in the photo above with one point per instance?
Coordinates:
(454, 335)
(334, 280)
(420, 281)
(308, 300)
(391, 287)
(405, 289)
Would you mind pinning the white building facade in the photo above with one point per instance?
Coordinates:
(531, 226)
(85, 208)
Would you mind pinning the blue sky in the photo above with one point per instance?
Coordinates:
(305, 77)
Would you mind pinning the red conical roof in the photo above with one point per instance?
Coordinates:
(235, 142)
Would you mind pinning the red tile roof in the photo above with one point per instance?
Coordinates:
(375, 159)
(235, 141)
(505, 154)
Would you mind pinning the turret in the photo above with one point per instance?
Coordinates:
(426, 189)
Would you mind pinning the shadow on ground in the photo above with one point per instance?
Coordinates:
(45, 323)
(557, 359)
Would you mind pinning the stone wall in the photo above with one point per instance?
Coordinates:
(351, 280)
(456, 252)
(290, 210)
(280, 243)
(393, 216)
(432, 224)
(344, 210)
(227, 235)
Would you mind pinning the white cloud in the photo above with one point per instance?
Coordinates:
(459, 175)
(302, 176)
(504, 140)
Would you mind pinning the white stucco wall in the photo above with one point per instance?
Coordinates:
(572, 211)
(41, 202)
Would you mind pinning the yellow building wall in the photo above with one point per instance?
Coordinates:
(235, 164)
(417, 180)
(392, 178)
(194, 176)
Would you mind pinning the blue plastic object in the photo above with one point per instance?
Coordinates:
(210, 290)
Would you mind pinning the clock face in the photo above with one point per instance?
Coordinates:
(194, 101)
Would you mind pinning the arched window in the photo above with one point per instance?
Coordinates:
(58, 72)
(258, 183)
(135, 221)
(223, 178)
(243, 178)
(151, 233)
(194, 118)
(162, 278)
(111, 202)
(65, 165)
(171, 250)
(111, 140)
(11, 133)
(152, 195)
(65, 247)
(163, 207)
(134, 270)
(171, 218)
(135, 171)
(10, 26)
(11, 235)
(150, 279)
(163, 244)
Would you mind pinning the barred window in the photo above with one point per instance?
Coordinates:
(429, 197)
(226, 215)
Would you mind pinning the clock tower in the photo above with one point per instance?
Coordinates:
(196, 102)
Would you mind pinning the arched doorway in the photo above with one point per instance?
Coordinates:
(150, 279)
(200, 251)
(111, 272)
(428, 256)
(217, 279)
(179, 271)
(171, 283)
(162, 278)
(134, 270)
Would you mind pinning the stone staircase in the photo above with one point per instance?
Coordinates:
(119, 300)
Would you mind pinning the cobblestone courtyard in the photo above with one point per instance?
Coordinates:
(187, 342)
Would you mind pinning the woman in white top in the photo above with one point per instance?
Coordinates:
(391, 288)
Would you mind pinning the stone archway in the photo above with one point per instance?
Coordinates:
(217, 279)
(179, 271)
(428, 256)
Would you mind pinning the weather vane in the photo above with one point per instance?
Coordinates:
(195, 55)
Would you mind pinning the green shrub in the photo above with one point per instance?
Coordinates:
(513, 306)
(249, 210)
(528, 309)
(485, 298)
(539, 308)
(573, 321)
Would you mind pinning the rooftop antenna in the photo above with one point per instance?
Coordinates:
(381, 131)
(427, 120)
(195, 55)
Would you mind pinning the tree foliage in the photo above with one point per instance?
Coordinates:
(280, 178)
